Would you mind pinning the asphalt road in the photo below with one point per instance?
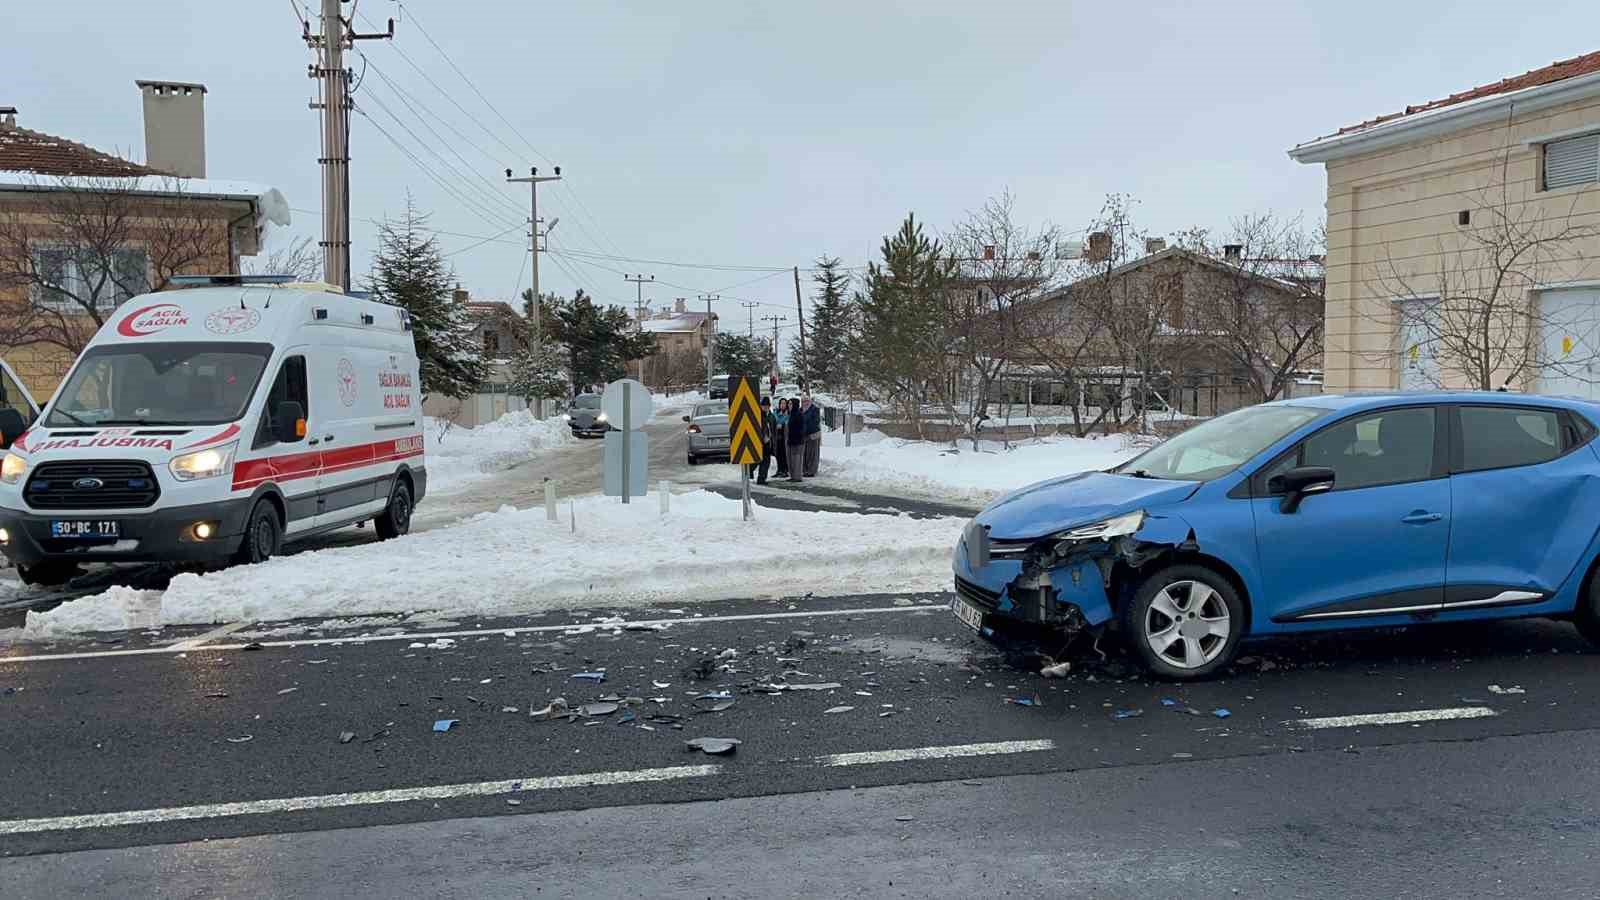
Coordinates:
(1465, 770)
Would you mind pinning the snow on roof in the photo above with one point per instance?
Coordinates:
(271, 206)
(686, 321)
(24, 150)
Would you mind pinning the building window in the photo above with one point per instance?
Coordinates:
(75, 278)
(1570, 161)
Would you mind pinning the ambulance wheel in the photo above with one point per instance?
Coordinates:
(262, 537)
(396, 517)
(48, 574)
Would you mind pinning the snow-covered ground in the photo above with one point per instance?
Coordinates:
(515, 561)
(890, 464)
(459, 456)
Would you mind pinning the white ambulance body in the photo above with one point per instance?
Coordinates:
(215, 423)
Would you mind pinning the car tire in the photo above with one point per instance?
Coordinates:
(395, 519)
(694, 460)
(1172, 624)
(48, 574)
(1587, 615)
(263, 536)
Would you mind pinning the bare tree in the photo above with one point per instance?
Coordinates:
(1470, 314)
(1258, 305)
(301, 259)
(81, 245)
(1002, 266)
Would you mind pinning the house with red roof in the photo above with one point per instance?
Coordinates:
(1464, 238)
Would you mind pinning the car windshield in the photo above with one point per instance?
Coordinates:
(1215, 448)
(587, 401)
(710, 409)
(160, 384)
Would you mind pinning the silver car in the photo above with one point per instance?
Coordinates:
(708, 431)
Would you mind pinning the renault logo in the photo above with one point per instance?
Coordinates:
(88, 484)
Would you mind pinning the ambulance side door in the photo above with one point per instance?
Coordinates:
(292, 464)
(346, 486)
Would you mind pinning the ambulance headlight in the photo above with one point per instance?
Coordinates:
(12, 470)
(207, 463)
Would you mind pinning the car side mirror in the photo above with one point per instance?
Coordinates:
(12, 425)
(1299, 483)
(289, 422)
(688, 419)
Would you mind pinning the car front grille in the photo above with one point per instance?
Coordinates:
(976, 594)
(68, 485)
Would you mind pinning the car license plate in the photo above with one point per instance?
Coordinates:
(84, 528)
(970, 615)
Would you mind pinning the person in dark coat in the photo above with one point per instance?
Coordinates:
(795, 442)
(769, 443)
(812, 415)
(779, 449)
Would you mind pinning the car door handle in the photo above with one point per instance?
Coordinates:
(1422, 517)
(327, 437)
(313, 442)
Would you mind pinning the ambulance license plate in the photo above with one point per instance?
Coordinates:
(84, 528)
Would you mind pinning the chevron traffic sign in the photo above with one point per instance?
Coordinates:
(744, 420)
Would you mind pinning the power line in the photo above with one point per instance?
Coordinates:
(443, 185)
(480, 243)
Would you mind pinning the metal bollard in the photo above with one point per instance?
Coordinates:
(550, 500)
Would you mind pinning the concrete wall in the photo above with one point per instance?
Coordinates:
(1392, 223)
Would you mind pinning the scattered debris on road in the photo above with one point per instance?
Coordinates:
(596, 677)
(837, 709)
(714, 745)
(346, 737)
(1514, 689)
(443, 725)
(1127, 713)
(1059, 670)
(244, 739)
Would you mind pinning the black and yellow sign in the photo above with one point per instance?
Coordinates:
(744, 420)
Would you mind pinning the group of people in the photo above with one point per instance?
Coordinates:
(792, 435)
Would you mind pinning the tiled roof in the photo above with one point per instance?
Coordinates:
(22, 150)
(1557, 71)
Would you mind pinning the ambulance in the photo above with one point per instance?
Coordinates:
(215, 424)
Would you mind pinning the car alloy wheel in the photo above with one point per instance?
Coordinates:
(1187, 624)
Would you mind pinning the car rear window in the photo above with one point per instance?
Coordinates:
(1499, 437)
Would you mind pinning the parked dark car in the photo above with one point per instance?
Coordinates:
(585, 418)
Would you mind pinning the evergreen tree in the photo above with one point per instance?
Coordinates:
(410, 273)
(830, 329)
(901, 345)
(740, 355)
(538, 371)
(598, 340)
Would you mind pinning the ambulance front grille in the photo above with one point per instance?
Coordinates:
(73, 485)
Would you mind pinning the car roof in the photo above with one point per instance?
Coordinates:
(1359, 400)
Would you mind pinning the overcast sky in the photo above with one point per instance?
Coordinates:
(763, 134)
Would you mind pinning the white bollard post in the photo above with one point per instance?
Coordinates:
(664, 488)
(550, 500)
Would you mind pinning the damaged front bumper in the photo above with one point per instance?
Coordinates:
(1062, 583)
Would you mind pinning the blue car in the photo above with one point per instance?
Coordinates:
(1300, 516)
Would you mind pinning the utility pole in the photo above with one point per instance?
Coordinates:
(750, 311)
(711, 338)
(533, 180)
(800, 310)
(329, 68)
(774, 320)
(639, 283)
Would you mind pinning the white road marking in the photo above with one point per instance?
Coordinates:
(362, 798)
(475, 632)
(213, 634)
(1397, 718)
(950, 751)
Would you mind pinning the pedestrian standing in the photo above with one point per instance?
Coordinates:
(813, 429)
(779, 441)
(795, 442)
(769, 430)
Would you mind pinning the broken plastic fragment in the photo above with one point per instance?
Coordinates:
(837, 709)
(242, 740)
(1221, 712)
(714, 745)
(1127, 714)
(1168, 702)
(596, 677)
(444, 724)
(820, 686)
(1514, 689)
(1059, 670)
(598, 709)
(346, 737)
(1025, 701)
(715, 695)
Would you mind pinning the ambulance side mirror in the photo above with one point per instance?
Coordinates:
(12, 425)
(289, 422)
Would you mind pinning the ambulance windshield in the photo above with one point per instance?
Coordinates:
(160, 384)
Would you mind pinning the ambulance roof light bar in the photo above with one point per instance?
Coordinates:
(228, 280)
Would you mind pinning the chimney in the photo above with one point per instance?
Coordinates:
(1233, 252)
(8, 117)
(1152, 246)
(1099, 247)
(460, 294)
(175, 127)
(680, 305)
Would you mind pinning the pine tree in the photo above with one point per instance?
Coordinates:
(538, 371)
(901, 344)
(409, 272)
(829, 332)
(598, 340)
(741, 355)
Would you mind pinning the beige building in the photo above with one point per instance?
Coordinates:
(498, 329)
(1464, 238)
(680, 337)
(81, 231)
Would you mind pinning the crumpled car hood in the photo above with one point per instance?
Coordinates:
(1060, 503)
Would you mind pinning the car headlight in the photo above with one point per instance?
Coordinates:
(566, 417)
(1126, 523)
(602, 418)
(207, 463)
(12, 470)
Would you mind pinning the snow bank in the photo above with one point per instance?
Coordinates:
(515, 561)
(676, 401)
(874, 460)
(464, 455)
